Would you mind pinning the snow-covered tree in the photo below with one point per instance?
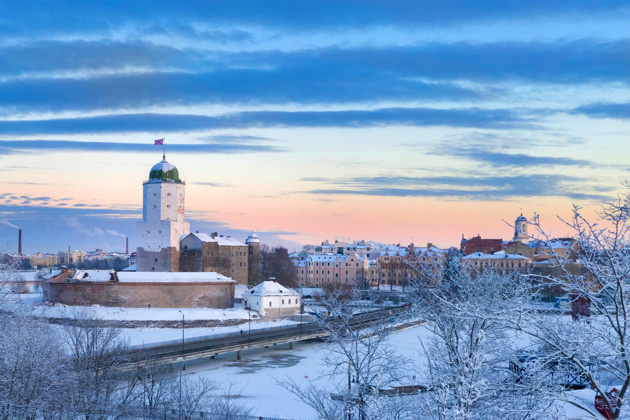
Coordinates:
(469, 347)
(595, 343)
(33, 369)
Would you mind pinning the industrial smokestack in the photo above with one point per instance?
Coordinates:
(127, 246)
(19, 241)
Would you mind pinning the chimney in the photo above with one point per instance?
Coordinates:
(19, 241)
(127, 246)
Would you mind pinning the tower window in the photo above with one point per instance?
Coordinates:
(155, 259)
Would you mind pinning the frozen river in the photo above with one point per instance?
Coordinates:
(256, 376)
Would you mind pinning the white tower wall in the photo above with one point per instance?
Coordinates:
(163, 215)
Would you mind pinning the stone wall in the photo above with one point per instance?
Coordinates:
(190, 260)
(141, 295)
(231, 261)
(278, 313)
(253, 260)
(167, 259)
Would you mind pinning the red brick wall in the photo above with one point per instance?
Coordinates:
(140, 295)
(485, 246)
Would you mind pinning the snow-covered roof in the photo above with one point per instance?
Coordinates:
(175, 277)
(271, 288)
(326, 257)
(554, 243)
(92, 275)
(252, 238)
(496, 256)
(149, 276)
(221, 240)
(164, 172)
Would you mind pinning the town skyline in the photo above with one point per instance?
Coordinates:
(310, 122)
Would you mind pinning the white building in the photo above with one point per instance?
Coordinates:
(163, 222)
(272, 300)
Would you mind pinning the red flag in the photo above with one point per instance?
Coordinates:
(158, 142)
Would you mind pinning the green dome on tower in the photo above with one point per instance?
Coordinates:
(164, 172)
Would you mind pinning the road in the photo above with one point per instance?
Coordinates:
(201, 347)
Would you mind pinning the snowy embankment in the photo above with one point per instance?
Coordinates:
(254, 378)
(142, 326)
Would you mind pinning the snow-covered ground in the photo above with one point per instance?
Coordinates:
(38, 308)
(255, 377)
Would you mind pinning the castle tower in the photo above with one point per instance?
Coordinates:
(520, 229)
(163, 221)
(253, 245)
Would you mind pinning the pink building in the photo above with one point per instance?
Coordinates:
(317, 270)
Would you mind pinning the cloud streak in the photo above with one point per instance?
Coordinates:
(307, 15)
(112, 75)
(20, 146)
(164, 123)
(486, 188)
(516, 160)
(605, 110)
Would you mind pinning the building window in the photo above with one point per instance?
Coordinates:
(155, 259)
(270, 304)
(283, 301)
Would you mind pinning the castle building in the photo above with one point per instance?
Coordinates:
(166, 244)
(218, 253)
(163, 222)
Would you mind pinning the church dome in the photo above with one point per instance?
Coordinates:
(252, 238)
(164, 172)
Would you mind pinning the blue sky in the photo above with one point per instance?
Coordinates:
(307, 121)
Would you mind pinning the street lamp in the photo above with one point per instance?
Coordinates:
(249, 323)
(301, 308)
(183, 329)
(184, 365)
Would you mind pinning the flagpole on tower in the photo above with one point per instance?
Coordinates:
(164, 149)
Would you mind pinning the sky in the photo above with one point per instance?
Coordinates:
(307, 121)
